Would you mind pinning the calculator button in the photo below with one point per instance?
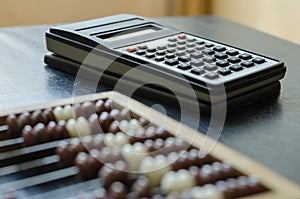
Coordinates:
(219, 48)
(160, 58)
(183, 58)
(184, 66)
(236, 67)
(222, 63)
(171, 62)
(160, 52)
(171, 50)
(172, 39)
(131, 49)
(141, 52)
(170, 55)
(209, 45)
(142, 47)
(163, 47)
(245, 56)
(208, 52)
(181, 42)
(200, 42)
(180, 53)
(233, 60)
(150, 55)
(190, 45)
(224, 71)
(190, 50)
(181, 47)
(151, 49)
(232, 52)
(210, 67)
(196, 55)
(221, 56)
(209, 59)
(191, 39)
(199, 48)
(197, 71)
(247, 64)
(211, 75)
(171, 44)
(197, 63)
(258, 60)
(182, 36)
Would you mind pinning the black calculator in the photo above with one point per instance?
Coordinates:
(208, 66)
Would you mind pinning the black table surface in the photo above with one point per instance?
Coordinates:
(267, 131)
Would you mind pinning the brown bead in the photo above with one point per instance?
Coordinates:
(162, 133)
(61, 130)
(142, 187)
(88, 165)
(39, 131)
(105, 120)
(114, 127)
(95, 124)
(78, 110)
(48, 115)
(11, 122)
(143, 121)
(36, 117)
(255, 186)
(24, 119)
(99, 106)
(117, 190)
(29, 138)
(227, 192)
(98, 142)
(77, 144)
(108, 105)
(125, 114)
(66, 153)
(115, 114)
(149, 144)
(88, 109)
(51, 132)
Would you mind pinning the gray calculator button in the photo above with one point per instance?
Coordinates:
(160, 52)
(197, 63)
(190, 45)
(160, 58)
(211, 75)
(170, 55)
(181, 48)
(196, 55)
(199, 48)
(162, 47)
(181, 42)
(150, 55)
(209, 59)
(210, 67)
(172, 39)
(197, 71)
(191, 39)
(142, 47)
(172, 44)
(171, 50)
(190, 50)
(179, 53)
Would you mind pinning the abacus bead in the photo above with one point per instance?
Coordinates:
(117, 190)
(71, 127)
(36, 117)
(83, 127)
(143, 122)
(125, 114)
(105, 121)
(29, 138)
(59, 113)
(39, 131)
(114, 127)
(51, 131)
(99, 193)
(88, 108)
(142, 187)
(66, 153)
(61, 130)
(68, 111)
(94, 124)
(78, 110)
(115, 114)
(24, 119)
(11, 122)
(48, 115)
(108, 105)
(99, 106)
(98, 142)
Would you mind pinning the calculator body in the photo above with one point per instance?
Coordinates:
(208, 66)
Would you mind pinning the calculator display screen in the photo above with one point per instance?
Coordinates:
(129, 33)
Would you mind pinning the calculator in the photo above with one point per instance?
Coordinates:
(131, 41)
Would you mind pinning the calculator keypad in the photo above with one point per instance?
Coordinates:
(196, 56)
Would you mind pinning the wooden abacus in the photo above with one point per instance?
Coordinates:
(31, 169)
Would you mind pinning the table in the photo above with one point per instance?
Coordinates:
(267, 131)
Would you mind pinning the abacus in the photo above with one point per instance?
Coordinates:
(107, 145)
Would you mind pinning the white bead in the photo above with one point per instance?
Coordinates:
(109, 139)
(206, 192)
(59, 113)
(154, 168)
(68, 112)
(83, 127)
(71, 127)
(133, 125)
(124, 126)
(134, 154)
(177, 181)
(121, 140)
